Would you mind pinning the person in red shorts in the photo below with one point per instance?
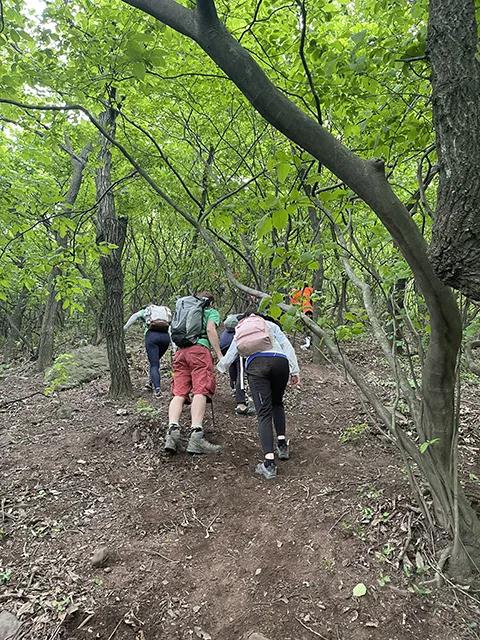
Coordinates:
(193, 372)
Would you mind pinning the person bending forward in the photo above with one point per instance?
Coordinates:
(268, 374)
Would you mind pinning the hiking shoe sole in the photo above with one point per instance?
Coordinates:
(269, 473)
(200, 449)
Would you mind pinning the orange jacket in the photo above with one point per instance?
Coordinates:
(303, 297)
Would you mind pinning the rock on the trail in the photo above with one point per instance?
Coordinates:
(254, 635)
(80, 365)
(100, 557)
(9, 625)
(64, 411)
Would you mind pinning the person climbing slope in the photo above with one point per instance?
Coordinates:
(157, 339)
(194, 331)
(236, 369)
(271, 362)
(303, 298)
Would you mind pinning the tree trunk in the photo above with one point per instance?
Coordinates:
(452, 50)
(317, 284)
(47, 331)
(341, 303)
(112, 230)
(15, 325)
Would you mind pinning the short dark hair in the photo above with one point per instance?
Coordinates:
(206, 294)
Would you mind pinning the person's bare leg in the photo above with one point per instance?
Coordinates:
(175, 409)
(199, 405)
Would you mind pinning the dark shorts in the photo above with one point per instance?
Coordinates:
(193, 372)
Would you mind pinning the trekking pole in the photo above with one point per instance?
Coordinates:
(213, 414)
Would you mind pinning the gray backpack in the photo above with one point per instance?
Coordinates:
(187, 325)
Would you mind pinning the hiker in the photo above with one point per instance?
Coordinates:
(157, 339)
(303, 298)
(237, 368)
(271, 362)
(194, 331)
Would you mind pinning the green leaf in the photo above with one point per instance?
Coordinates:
(135, 49)
(283, 169)
(280, 219)
(424, 446)
(138, 70)
(275, 311)
(359, 36)
(359, 590)
(264, 226)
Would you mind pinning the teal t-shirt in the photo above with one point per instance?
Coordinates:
(214, 316)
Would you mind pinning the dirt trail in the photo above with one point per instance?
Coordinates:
(200, 547)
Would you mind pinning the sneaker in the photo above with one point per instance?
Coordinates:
(157, 393)
(148, 386)
(283, 450)
(244, 410)
(198, 444)
(172, 440)
(269, 473)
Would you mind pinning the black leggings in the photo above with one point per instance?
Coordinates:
(268, 377)
(156, 343)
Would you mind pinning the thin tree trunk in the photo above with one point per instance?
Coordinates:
(15, 325)
(112, 230)
(47, 332)
(342, 302)
(317, 284)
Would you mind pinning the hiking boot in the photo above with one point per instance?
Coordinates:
(268, 472)
(198, 444)
(157, 393)
(172, 440)
(283, 450)
(244, 410)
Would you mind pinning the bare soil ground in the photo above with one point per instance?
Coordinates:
(201, 548)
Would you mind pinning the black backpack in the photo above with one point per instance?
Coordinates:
(187, 325)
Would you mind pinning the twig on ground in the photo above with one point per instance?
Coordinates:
(115, 630)
(157, 553)
(207, 533)
(31, 395)
(55, 633)
(407, 541)
(205, 526)
(316, 633)
(86, 621)
(339, 520)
